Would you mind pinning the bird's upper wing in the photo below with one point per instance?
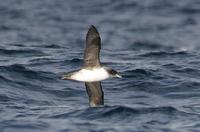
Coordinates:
(93, 46)
(95, 93)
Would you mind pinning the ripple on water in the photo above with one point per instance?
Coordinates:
(153, 44)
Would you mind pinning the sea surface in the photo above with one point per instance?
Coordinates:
(154, 44)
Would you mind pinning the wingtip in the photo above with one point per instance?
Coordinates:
(93, 30)
(92, 27)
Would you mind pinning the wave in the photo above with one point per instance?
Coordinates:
(171, 66)
(189, 10)
(50, 46)
(160, 54)
(24, 52)
(4, 98)
(139, 73)
(118, 112)
(18, 71)
(74, 61)
(147, 45)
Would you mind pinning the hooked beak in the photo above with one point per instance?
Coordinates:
(64, 77)
(118, 76)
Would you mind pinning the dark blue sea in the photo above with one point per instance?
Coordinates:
(154, 44)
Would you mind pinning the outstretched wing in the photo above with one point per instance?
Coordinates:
(93, 46)
(95, 93)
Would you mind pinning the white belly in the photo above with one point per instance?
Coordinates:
(93, 75)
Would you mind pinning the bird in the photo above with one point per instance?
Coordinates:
(92, 71)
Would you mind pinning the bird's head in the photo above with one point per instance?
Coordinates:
(113, 73)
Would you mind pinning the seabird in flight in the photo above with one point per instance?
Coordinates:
(92, 72)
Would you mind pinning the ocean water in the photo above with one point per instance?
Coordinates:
(154, 44)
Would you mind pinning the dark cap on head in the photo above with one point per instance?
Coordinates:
(113, 73)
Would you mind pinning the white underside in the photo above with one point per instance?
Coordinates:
(93, 75)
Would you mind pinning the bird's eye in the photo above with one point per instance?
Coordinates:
(113, 71)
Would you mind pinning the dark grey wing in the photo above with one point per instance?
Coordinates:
(95, 93)
(93, 46)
